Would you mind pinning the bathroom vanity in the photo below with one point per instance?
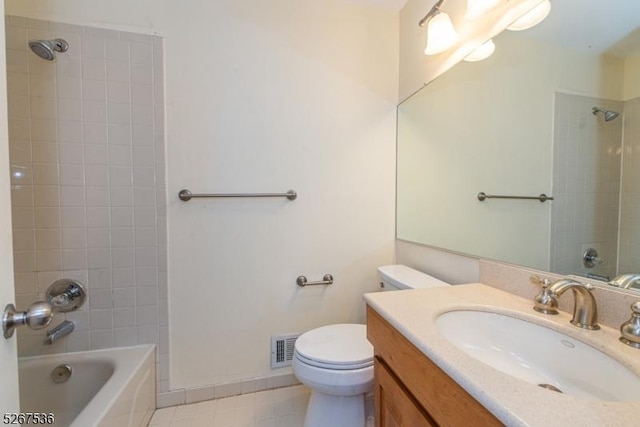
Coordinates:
(410, 390)
(422, 378)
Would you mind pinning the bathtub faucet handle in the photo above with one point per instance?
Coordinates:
(66, 295)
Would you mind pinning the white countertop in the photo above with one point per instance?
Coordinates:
(512, 401)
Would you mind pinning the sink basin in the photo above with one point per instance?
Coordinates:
(539, 355)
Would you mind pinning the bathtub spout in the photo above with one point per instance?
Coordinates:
(63, 329)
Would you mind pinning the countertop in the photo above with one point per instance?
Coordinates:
(511, 400)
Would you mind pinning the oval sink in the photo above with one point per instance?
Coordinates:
(539, 355)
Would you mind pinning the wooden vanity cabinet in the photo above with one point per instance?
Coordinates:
(412, 391)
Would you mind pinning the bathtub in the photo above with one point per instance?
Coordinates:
(113, 387)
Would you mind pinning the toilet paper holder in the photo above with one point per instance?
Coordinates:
(302, 281)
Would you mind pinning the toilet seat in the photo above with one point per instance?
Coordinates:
(339, 347)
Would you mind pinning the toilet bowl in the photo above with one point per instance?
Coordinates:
(336, 361)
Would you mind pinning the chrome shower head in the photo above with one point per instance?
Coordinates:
(608, 114)
(46, 49)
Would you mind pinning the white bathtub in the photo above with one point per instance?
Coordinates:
(113, 387)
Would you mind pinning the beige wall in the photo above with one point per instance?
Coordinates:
(263, 97)
(631, 80)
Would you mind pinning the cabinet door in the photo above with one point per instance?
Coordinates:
(395, 407)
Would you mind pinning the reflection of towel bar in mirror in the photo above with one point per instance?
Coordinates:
(542, 197)
(186, 195)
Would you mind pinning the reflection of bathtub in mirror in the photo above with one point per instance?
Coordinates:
(522, 123)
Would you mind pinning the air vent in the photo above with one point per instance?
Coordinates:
(282, 347)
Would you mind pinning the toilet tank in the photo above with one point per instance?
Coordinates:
(400, 277)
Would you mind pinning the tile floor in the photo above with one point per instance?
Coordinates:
(282, 407)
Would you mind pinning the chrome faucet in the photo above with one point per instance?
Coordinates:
(627, 281)
(585, 311)
(62, 330)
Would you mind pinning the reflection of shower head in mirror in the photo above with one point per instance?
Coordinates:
(608, 115)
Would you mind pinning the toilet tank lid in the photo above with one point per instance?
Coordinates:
(403, 277)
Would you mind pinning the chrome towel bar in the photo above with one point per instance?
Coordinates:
(326, 280)
(542, 197)
(186, 195)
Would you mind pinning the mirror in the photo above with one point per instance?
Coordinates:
(522, 123)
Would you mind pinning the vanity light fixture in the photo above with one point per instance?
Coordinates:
(483, 51)
(440, 32)
(531, 18)
(477, 8)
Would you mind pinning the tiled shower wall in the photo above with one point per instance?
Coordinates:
(629, 255)
(586, 184)
(88, 183)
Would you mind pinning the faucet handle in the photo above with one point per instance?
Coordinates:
(540, 281)
(546, 301)
(630, 330)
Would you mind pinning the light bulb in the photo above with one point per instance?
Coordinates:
(483, 51)
(440, 34)
(531, 18)
(477, 8)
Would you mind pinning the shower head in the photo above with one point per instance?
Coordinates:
(608, 114)
(46, 49)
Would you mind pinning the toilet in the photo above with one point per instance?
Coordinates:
(336, 361)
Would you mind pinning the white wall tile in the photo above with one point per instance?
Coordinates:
(96, 155)
(69, 88)
(69, 109)
(17, 61)
(69, 153)
(42, 86)
(71, 142)
(19, 129)
(67, 66)
(74, 238)
(94, 69)
(100, 278)
(118, 113)
(94, 111)
(93, 47)
(119, 93)
(72, 196)
(48, 238)
(73, 217)
(117, 50)
(122, 257)
(121, 176)
(122, 237)
(95, 133)
(123, 277)
(97, 175)
(94, 90)
(97, 196)
(98, 238)
(42, 130)
(43, 108)
(74, 259)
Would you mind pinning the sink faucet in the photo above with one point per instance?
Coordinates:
(62, 330)
(585, 311)
(626, 281)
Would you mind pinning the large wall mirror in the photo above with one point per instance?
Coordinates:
(522, 123)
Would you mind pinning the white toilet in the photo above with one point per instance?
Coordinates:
(336, 361)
